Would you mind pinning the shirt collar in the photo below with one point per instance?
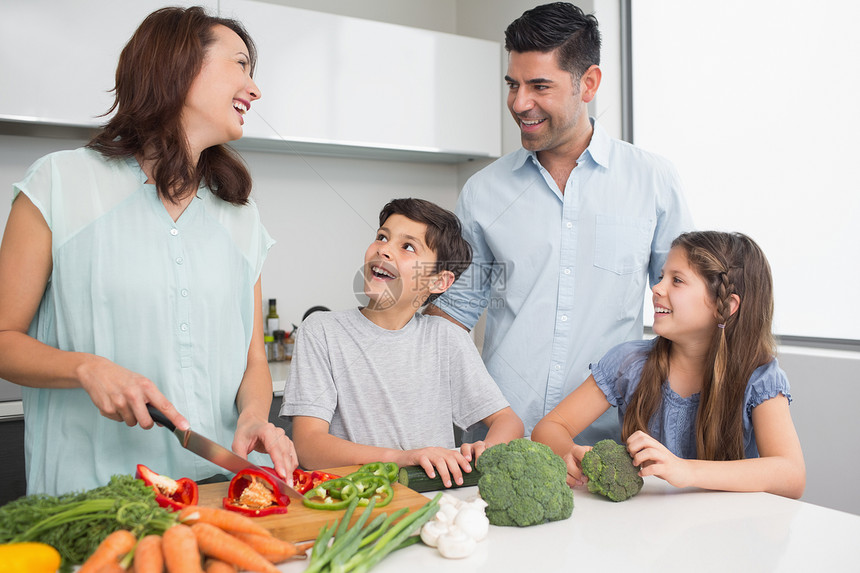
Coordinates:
(598, 149)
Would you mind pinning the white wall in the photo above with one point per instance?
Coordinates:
(825, 386)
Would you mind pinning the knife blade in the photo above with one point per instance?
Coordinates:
(216, 453)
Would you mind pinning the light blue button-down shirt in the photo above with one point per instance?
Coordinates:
(173, 301)
(563, 275)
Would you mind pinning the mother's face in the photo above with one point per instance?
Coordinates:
(221, 93)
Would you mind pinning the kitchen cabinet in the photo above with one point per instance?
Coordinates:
(331, 85)
(59, 58)
(347, 86)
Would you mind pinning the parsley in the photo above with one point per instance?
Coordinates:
(75, 523)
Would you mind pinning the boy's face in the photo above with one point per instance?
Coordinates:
(399, 267)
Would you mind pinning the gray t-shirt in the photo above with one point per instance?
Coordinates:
(403, 389)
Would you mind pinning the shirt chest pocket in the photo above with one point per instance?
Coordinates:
(622, 244)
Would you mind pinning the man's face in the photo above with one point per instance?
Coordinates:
(544, 101)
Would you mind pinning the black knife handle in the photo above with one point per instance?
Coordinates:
(160, 418)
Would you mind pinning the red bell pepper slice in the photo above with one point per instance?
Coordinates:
(169, 493)
(317, 477)
(302, 481)
(252, 492)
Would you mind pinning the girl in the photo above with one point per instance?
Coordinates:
(704, 404)
(130, 271)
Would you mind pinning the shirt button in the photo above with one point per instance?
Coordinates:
(567, 271)
(174, 232)
(179, 260)
(564, 318)
(183, 327)
(569, 225)
(184, 292)
(558, 366)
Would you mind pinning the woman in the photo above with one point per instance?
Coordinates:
(130, 272)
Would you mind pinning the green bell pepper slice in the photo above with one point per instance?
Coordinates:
(332, 494)
(375, 487)
(387, 470)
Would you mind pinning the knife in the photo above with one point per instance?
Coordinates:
(216, 453)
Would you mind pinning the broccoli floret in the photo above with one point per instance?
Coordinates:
(524, 483)
(610, 471)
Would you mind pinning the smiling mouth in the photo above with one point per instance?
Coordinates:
(241, 107)
(531, 122)
(381, 273)
(662, 311)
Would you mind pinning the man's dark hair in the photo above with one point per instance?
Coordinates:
(561, 26)
(444, 233)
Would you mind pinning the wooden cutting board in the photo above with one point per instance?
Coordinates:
(303, 524)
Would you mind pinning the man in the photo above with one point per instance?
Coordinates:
(565, 230)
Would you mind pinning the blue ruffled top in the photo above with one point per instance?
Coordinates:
(674, 423)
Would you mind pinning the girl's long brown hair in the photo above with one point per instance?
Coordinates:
(729, 263)
(153, 77)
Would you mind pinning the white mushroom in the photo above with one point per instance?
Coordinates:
(473, 522)
(448, 510)
(431, 531)
(456, 544)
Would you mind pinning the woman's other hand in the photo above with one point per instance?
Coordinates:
(263, 436)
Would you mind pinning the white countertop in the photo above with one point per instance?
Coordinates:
(663, 528)
(280, 374)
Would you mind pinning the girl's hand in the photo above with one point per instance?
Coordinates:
(449, 463)
(262, 436)
(655, 459)
(573, 460)
(122, 395)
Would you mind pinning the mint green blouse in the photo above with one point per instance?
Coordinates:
(173, 301)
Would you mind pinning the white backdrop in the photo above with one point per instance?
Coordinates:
(756, 103)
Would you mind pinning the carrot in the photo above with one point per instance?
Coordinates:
(221, 518)
(148, 556)
(274, 549)
(181, 554)
(214, 542)
(112, 567)
(218, 566)
(109, 550)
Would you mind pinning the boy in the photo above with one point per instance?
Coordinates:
(384, 382)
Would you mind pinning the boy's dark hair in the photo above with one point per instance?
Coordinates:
(444, 233)
(561, 26)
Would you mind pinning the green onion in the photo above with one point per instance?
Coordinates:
(358, 548)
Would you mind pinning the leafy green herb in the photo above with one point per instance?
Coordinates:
(75, 523)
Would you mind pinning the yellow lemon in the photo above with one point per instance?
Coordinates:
(28, 557)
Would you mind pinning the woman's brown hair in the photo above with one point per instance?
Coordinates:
(730, 264)
(153, 77)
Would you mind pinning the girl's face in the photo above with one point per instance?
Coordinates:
(683, 308)
(221, 93)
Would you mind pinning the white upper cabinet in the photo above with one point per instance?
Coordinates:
(358, 85)
(58, 57)
(331, 84)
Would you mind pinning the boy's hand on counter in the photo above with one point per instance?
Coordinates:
(473, 450)
(450, 464)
